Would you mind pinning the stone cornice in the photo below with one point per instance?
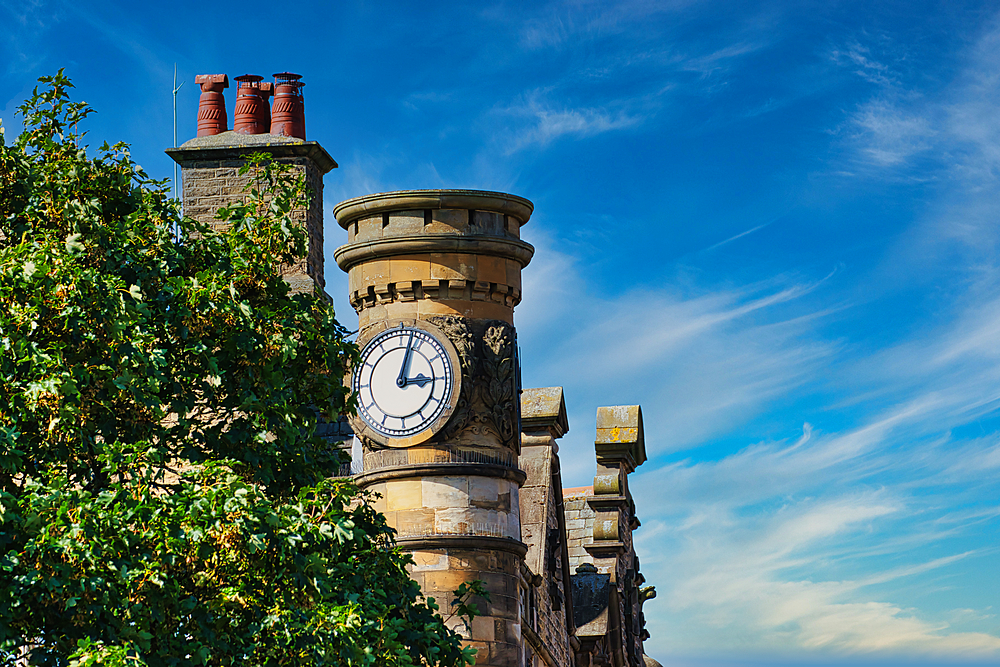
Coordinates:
(507, 544)
(185, 155)
(416, 244)
(605, 548)
(606, 502)
(440, 470)
(405, 200)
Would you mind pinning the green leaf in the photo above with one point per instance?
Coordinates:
(73, 244)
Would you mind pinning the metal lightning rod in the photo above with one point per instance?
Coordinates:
(176, 88)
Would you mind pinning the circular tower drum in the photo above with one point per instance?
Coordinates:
(434, 276)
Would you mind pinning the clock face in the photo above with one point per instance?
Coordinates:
(404, 382)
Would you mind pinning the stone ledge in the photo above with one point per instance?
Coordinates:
(402, 200)
(470, 542)
(223, 149)
(440, 470)
(418, 244)
(607, 502)
(605, 548)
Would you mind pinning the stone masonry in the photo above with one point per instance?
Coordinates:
(607, 582)
(210, 171)
(543, 527)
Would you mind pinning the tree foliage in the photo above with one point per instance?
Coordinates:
(164, 499)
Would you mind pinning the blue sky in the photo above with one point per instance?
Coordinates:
(772, 224)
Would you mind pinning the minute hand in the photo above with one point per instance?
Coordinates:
(401, 380)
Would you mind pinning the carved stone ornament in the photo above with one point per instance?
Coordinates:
(488, 401)
(462, 338)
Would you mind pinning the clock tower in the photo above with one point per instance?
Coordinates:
(434, 276)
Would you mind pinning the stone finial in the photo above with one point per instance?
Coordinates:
(543, 412)
(619, 436)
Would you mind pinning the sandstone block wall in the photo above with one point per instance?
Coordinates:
(579, 526)
(496, 634)
(450, 505)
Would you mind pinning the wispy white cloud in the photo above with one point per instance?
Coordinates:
(718, 60)
(824, 543)
(753, 581)
(860, 59)
(738, 236)
(633, 69)
(538, 122)
(807, 545)
(954, 131)
(25, 22)
(556, 23)
(888, 135)
(701, 363)
(794, 547)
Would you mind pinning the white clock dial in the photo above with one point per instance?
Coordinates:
(404, 382)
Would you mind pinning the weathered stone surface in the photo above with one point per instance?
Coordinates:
(620, 436)
(445, 491)
(403, 494)
(430, 560)
(544, 409)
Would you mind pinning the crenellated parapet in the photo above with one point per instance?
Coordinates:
(423, 253)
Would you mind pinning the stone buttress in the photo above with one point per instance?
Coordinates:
(548, 623)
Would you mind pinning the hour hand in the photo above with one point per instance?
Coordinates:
(420, 380)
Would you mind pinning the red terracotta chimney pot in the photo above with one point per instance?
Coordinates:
(288, 116)
(264, 112)
(212, 117)
(251, 106)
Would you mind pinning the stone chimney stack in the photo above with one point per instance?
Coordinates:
(210, 163)
(435, 276)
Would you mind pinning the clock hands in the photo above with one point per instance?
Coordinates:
(402, 381)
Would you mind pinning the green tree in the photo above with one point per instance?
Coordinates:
(164, 499)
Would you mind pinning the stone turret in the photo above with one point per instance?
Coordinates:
(435, 276)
